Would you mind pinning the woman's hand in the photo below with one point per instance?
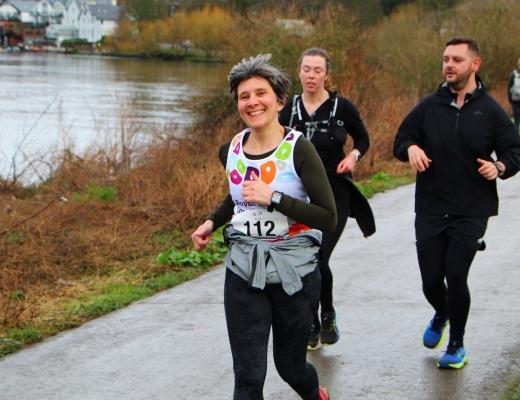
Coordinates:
(348, 164)
(202, 235)
(256, 191)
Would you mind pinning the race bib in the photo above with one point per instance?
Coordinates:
(261, 223)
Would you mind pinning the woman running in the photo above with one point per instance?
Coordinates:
(326, 119)
(279, 201)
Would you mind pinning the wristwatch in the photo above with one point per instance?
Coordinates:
(500, 168)
(276, 198)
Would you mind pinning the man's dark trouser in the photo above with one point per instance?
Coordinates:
(443, 257)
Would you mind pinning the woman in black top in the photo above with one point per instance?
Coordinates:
(279, 202)
(326, 119)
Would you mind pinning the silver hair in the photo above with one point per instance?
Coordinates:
(259, 66)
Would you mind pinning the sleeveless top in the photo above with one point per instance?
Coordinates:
(276, 170)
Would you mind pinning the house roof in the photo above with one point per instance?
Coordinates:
(106, 12)
(69, 2)
(23, 5)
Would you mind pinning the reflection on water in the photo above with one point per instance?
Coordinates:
(49, 101)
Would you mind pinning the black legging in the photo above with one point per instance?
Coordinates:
(443, 257)
(329, 241)
(250, 313)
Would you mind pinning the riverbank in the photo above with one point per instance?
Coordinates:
(192, 55)
(174, 345)
(73, 300)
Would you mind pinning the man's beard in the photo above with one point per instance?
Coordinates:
(461, 81)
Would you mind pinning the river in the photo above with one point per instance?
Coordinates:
(53, 101)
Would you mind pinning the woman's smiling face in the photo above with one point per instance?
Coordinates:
(257, 103)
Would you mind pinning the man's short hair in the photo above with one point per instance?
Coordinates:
(259, 66)
(472, 43)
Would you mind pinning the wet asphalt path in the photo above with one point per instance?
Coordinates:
(174, 346)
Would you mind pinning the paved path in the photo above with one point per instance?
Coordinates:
(174, 345)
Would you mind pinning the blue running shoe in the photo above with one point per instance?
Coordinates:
(453, 358)
(435, 333)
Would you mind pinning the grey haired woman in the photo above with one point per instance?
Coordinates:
(279, 202)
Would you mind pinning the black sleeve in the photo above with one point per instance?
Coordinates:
(506, 143)
(355, 126)
(223, 152)
(408, 134)
(224, 211)
(320, 213)
(285, 115)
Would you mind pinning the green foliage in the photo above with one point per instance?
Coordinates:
(17, 294)
(74, 45)
(95, 193)
(27, 334)
(74, 42)
(8, 346)
(498, 34)
(115, 296)
(407, 48)
(336, 29)
(16, 237)
(512, 391)
(167, 236)
(214, 253)
(141, 10)
(17, 337)
(368, 11)
(170, 279)
(381, 182)
(285, 52)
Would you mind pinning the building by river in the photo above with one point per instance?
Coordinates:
(33, 22)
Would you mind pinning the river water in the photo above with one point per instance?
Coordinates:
(52, 101)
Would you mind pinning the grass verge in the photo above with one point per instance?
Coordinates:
(512, 391)
(92, 296)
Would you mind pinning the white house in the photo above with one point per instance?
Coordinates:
(23, 10)
(8, 11)
(43, 12)
(98, 20)
(58, 11)
(74, 8)
(66, 19)
(67, 26)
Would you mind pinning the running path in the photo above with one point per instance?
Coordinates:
(174, 345)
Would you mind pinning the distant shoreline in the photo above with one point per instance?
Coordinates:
(189, 56)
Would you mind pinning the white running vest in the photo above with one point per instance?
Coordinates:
(277, 170)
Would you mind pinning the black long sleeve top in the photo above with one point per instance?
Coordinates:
(323, 133)
(453, 139)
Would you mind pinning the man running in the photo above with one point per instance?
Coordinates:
(450, 139)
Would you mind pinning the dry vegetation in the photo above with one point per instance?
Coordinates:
(120, 214)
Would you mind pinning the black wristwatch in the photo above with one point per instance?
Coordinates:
(276, 198)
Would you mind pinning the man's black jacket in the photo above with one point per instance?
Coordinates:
(453, 139)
